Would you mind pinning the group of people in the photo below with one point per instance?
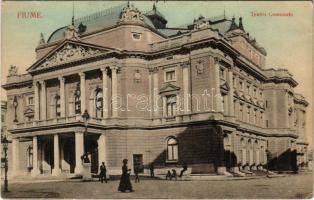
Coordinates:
(125, 182)
(173, 175)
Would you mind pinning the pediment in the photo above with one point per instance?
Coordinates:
(29, 112)
(169, 88)
(67, 52)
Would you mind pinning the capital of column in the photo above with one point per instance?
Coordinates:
(185, 64)
(153, 69)
(114, 68)
(217, 60)
(35, 83)
(42, 83)
(104, 69)
(61, 78)
(81, 74)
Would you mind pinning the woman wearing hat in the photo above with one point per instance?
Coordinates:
(125, 183)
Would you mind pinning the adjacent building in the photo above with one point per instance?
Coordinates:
(198, 94)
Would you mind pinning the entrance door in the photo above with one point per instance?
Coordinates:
(69, 154)
(91, 147)
(138, 162)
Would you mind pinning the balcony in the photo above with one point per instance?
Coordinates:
(78, 118)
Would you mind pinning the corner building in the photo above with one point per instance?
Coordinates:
(198, 94)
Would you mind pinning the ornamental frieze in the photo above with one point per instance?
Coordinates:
(71, 52)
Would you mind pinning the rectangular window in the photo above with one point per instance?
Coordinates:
(171, 75)
(30, 101)
(2, 118)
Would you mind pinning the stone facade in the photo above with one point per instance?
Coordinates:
(200, 95)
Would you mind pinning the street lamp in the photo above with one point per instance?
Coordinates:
(85, 117)
(5, 143)
(15, 107)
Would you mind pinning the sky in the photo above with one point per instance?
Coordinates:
(287, 40)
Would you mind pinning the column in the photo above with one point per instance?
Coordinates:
(36, 100)
(230, 94)
(56, 155)
(164, 106)
(35, 170)
(79, 151)
(186, 86)
(62, 96)
(105, 92)
(102, 150)
(155, 92)
(15, 157)
(216, 86)
(114, 90)
(82, 89)
(43, 101)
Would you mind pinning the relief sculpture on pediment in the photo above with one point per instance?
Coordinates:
(68, 53)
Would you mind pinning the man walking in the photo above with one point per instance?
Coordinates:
(151, 168)
(102, 174)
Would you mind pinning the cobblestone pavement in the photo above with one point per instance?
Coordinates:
(291, 186)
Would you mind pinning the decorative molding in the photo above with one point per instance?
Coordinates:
(200, 67)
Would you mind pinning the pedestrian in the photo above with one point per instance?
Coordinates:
(137, 178)
(168, 176)
(102, 174)
(185, 167)
(174, 174)
(125, 183)
(151, 168)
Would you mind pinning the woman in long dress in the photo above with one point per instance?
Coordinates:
(125, 183)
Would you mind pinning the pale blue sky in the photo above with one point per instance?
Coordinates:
(287, 40)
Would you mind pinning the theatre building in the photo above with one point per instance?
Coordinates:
(198, 94)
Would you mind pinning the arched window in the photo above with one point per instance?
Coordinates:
(99, 102)
(77, 100)
(172, 149)
(58, 108)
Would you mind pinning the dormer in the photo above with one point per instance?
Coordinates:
(157, 18)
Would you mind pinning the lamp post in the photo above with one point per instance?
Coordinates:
(15, 107)
(5, 149)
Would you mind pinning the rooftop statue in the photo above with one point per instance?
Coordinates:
(42, 39)
(132, 15)
(13, 71)
(71, 33)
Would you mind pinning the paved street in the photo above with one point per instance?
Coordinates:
(292, 186)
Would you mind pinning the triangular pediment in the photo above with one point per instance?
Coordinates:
(169, 88)
(67, 52)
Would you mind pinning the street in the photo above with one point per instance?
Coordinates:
(291, 186)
